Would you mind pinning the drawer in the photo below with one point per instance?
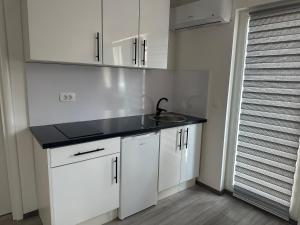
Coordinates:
(79, 152)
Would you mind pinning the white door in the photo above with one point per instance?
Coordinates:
(64, 30)
(154, 33)
(190, 153)
(86, 189)
(4, 188)
(169, 158)
(120, 32)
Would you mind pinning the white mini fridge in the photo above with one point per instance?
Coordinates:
(139, 173)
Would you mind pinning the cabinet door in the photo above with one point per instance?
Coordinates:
(190, 158)
(84, 190)
(169, 158)
(120, 32)
(63, 30)
(154, 33)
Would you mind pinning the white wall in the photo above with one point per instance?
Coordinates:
(17, 79)
(210, 48)
(4, 190)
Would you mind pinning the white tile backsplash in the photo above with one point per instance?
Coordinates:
(105, 92)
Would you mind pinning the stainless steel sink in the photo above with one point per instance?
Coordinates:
(168, 117)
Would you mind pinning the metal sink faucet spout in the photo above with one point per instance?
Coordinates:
(158, 109)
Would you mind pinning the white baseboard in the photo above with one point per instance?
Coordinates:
(102, 219)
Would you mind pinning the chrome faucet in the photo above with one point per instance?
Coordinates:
(158, 109)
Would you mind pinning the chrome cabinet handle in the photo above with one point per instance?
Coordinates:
(180, 140)
(135, 50)
(98, 46)
(187, 138)
(84, 153)
(144, 53)
(116, 169)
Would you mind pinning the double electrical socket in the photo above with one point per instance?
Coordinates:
(67, 97)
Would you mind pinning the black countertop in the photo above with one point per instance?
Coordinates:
(58, 135)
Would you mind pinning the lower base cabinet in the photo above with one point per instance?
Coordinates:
(190, 152)
(84, 190)
(169, 158)
(179, 159)
(79, 182)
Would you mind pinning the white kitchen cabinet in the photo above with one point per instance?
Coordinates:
(131, 33)
(120, 29)
(190, 152)
(169, 158)
(154, 33)
(63, 31)
(79, 182)
(84, 190)
(179, 155)
(141, 41)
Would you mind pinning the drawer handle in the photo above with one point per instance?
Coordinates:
(84, 153)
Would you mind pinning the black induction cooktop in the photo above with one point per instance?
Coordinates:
(78, 130)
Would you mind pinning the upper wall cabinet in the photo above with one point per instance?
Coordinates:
(135, 32)
(154, 33)
(121, 28)
(138, 36)
(63, 30)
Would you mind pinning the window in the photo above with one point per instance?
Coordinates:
(269, 123)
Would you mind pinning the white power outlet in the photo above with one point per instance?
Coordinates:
(67, 97)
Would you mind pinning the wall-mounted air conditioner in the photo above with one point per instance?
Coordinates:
(200, 13)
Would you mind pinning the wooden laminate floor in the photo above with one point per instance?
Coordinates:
(198, 206)
(7, 220)
(195, 206)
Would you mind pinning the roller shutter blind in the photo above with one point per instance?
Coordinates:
(269, 125)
